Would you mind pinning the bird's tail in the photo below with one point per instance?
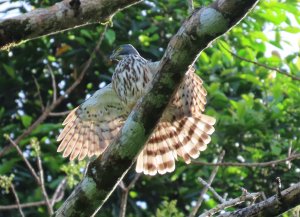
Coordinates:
(185, 138)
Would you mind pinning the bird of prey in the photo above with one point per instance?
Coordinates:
(183, 130)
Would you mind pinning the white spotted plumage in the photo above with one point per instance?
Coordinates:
(183, 131)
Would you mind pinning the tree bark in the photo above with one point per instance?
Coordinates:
(61, 16)
(196, 33)
(272, 206)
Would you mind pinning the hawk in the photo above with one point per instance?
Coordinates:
(183, 130)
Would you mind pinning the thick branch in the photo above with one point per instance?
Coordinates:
(61, 16)
(272, 206)
(233, 202)
(105, 173)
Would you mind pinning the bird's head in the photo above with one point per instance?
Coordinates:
(122, 51)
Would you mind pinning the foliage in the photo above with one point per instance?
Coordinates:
(257, 108)
(5, 182)
(168, 209)
(74, 172)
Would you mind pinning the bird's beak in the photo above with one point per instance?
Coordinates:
(115, 55)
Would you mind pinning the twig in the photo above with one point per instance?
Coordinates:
(57, 196)
(204, 190)
(39, 93)
(278, 189)
(125, 191)
(135, 179)
(17, 200)
(32, 171)
(54, 114)
(190, 6)
(53, 83)
(51, 107)
(59, 191)
(31, 204)
(230, 203)
(203, 182)
(39, 180)
(41, 172)
(270, 206)
(123, 205)
(262, 65)
(289, 165)
(105, 59)
(262, 164)
(264, 197)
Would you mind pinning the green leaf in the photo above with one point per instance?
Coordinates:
(110, 36)
(9, 70)
(291, 29)
(145, 40)
(7, 166)
(2, 111)
(26, 120)
(133, 194)
(276, 150)
(168, 209)
(86, 33)
(204, 57)
(45, 128)
(51, 58)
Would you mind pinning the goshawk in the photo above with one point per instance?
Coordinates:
(183, 129)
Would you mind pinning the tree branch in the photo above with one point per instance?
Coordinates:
(125, 191)
(230, 203)
(31, 204)
(55, 114)
(104, 174)
(262, 164)
(59, 192)
(57, 196)
(39, 94)
(53, 83)
(290, 198)
(190, 6)
(41, 173)
(59, 17)
(17, 200)
(263, 65)
(206, 187)
(213, 191)
(28, 164)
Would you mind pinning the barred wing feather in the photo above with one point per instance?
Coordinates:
(185, 138)
(90, 127)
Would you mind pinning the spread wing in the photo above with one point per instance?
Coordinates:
(185, 137)
(91, 127)
(182, 131)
